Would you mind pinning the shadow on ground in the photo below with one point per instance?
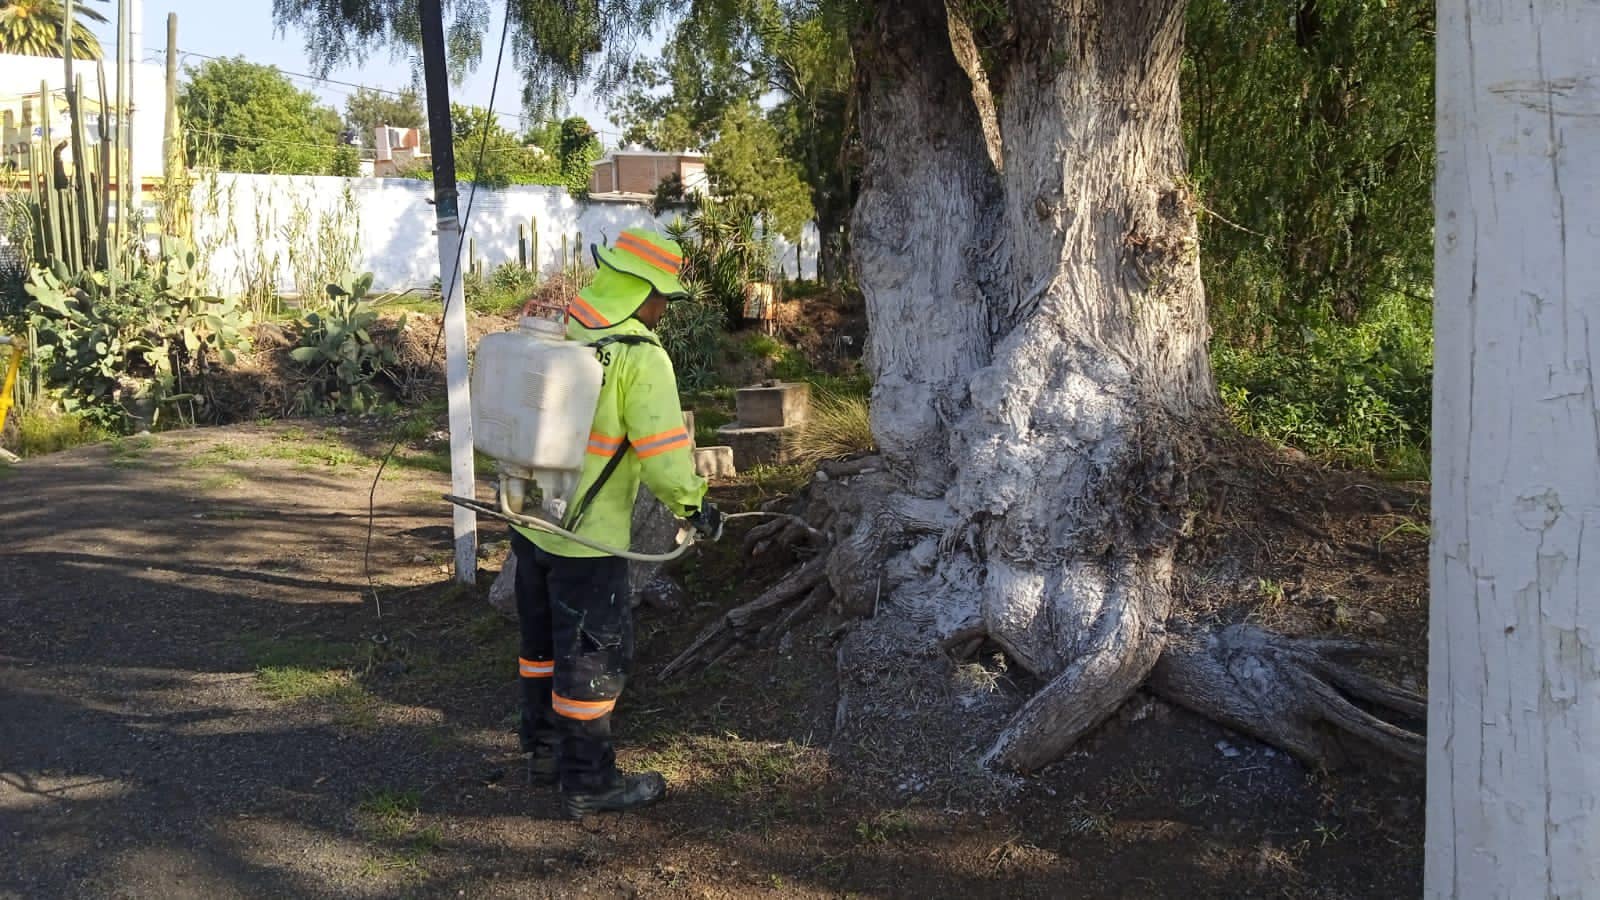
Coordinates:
(199, 699)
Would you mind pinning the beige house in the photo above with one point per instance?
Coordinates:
(399, 151)
(635, 174)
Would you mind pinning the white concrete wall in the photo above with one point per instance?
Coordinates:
(243, 221)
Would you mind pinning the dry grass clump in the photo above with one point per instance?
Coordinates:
(838, 427)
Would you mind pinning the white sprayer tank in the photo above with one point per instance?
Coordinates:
(533, 399)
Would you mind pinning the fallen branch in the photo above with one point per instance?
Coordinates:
(744, 623)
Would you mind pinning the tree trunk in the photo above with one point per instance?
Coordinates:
(1040, 381)
(1513, 787)
(1034, 408)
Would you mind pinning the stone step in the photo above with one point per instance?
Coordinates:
(755, 446)
(773, 405)
(714, 462)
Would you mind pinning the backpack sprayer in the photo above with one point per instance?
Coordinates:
(533, 401)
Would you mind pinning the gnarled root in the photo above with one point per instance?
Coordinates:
(1122, 650)
(1288, 692)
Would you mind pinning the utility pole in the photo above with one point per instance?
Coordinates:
(134, 55)
(447, 210)
(169, 127)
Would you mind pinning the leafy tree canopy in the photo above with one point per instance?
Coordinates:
(554, 44)
(748, 170)
(558, 153)
(1310, 128)
(366, 109)
(250, 118)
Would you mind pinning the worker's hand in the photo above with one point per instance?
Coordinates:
(707, 522)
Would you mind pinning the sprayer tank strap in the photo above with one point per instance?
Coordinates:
(575, 517)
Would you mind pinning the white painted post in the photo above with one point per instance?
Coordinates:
(457, 381)
(1514, 679)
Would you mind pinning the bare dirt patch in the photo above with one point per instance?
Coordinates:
(199, 699)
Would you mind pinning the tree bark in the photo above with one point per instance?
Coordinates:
(1038, 347)
(1040, 383)
(1513, 786)
(925, 236)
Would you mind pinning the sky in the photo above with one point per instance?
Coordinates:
(245, 28)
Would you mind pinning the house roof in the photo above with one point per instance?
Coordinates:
(665, 154)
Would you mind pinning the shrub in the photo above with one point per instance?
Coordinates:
(1360, 395)
(513, 278)
(42, 429)
(721, 254)
(691, 332)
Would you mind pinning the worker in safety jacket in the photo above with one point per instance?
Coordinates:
(573, 601)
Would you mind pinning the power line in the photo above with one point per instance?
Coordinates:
(522, 118)
(331, 145)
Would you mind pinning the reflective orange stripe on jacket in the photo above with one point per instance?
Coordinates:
(657, 444)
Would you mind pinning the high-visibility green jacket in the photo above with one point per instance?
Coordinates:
(639, 402)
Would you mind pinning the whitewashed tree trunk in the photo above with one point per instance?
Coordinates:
(1514, 717)
(1041, 382)
(1038, 344)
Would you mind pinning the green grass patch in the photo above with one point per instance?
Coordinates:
(130, 452)
(295, 669)
(761, 346)
(291, 683)
(217, 455)
(837, 428)
(299, 652)
(41, 430)
(418, 426)
(731, 768)
(220, 482)
(494, 302)
(388, 814)
(883, 828)
(392, 817)
(317, 455)
(421, 461)
(771, 480)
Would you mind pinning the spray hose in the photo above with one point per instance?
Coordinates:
(686, 536)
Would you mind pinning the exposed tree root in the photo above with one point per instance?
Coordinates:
(863, 540)
(1291, 693)
(1120, 653)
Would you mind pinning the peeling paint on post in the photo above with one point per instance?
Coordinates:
(1514, 648)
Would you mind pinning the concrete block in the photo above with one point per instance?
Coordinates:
(714, 462)
(755, 446)
(773, 405)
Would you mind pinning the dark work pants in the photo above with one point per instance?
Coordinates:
(577, 644)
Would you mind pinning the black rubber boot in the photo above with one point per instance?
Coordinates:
(542, 770)
(630, 792)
